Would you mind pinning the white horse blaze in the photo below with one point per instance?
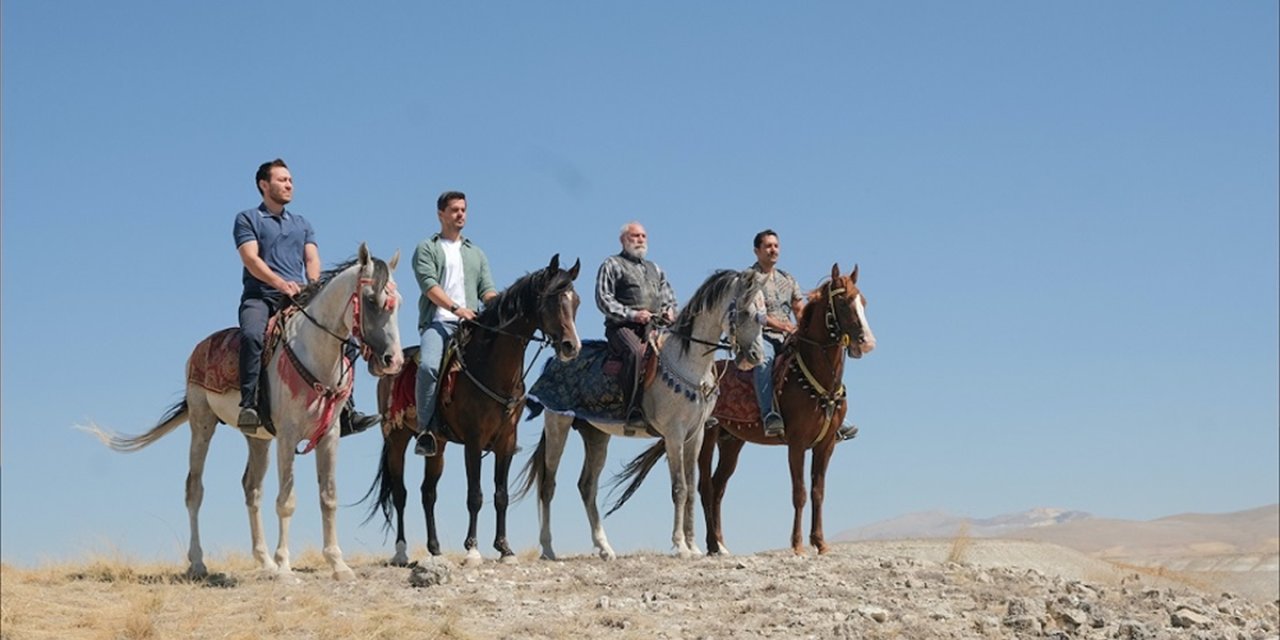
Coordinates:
(869, 339)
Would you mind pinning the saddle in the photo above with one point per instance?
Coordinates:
(737, 401)
(214, 365)
(403, 406)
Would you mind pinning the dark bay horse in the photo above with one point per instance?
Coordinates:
(810, 396)
(308, 380)
(485, 403)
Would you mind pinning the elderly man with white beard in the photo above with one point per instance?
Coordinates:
(633, 294)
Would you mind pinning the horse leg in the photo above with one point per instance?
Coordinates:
(596, 445)
(433, 469)
(501, 470)
(475, 500)
(730, 450)
(679, 493)
(692, 447)
(286, 502)
(397, 442)
(706, 456)
(555, 431)
(203, 423)
(818, 474)
(326, 476)
(795, 457)
(255, 472)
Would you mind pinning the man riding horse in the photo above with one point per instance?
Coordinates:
(279, 252)
(783, 303)
(454, 276)
(631, 292)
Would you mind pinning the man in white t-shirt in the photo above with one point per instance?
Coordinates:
(454, 277)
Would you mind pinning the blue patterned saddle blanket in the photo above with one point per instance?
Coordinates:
(586, 387)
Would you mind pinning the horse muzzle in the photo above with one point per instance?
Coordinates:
(567, 349)
(387, 364)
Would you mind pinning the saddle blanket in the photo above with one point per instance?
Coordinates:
(737, 401)
(586, 387)
(215, 362)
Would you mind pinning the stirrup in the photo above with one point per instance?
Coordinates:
(773, 425)
(427, 445)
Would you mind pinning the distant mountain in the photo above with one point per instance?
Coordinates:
(939, 524)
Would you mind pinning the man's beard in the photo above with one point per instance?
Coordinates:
(636, 251)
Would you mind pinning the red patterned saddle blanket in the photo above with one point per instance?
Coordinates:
(737, 400)
(402, 410)
(215, 363)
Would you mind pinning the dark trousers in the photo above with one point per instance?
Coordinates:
(255, 311)
(628, 340)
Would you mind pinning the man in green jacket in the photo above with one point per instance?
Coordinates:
(454, 277)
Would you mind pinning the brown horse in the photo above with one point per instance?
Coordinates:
(481, 398)
(810, 397)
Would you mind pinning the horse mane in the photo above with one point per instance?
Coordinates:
(707, 295)
(810, 298)
(521, 298)
(380, 276)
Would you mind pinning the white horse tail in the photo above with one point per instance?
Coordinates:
(173, 418)
(635, 471)
(534, 470)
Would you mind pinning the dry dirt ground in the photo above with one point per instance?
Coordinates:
(885, 589)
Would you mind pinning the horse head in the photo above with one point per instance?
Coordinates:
(744, 321)
(846, 313)
(375, 327)
(558, 307)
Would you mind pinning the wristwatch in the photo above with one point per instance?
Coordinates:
(453, 308)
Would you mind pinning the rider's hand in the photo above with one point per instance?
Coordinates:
(669, 316)
(291, 288)
(643, 316)
(465, 314)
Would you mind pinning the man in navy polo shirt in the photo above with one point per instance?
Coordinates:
(278, 249)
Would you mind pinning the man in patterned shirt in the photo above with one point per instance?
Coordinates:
(783, 302)
(632, 293)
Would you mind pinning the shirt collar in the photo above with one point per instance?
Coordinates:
(465, 240)
(284, 213)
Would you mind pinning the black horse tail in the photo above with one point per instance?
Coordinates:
(534, 470)
(175, 416)
(383, 486)
(635, 471)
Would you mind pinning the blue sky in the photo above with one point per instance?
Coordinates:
(1065, 215)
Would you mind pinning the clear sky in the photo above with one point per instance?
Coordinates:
(1065, 216)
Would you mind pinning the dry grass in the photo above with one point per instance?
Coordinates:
(960, 544)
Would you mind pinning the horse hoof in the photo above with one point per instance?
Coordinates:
(608, 555)
(344, 574)
(509, 559)
(548, 555)
(473, 559)
(197, 572)
(398, 561)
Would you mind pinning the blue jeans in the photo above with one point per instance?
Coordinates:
(434, 339)
(255, 311)
(764, 376)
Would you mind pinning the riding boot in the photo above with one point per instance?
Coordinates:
(847, 432)
(351, 421)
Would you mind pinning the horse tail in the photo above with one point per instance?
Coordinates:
(534, 470)
(172, 419)
(382, 485)
(636, 471)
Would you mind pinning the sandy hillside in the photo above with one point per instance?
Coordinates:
(887, 589)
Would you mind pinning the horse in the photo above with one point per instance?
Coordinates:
(810, 397)
(675, 409)
(307, 381)
(483, 407)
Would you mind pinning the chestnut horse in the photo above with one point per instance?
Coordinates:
(811, 398)
(307, 380)
(481, 412)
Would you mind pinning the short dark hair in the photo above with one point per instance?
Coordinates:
(264, 172)
(761, 236)
(449, 196)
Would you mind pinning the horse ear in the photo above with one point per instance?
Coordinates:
(573, 273)
(853, 275)
(555, 263)
(363, 253)
(835, 271)
(395, 260)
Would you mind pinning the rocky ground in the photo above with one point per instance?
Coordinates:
(896, 589)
